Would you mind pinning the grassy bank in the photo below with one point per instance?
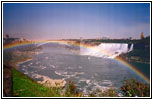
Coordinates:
(23, 86)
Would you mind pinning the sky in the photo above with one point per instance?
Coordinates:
(43, 21)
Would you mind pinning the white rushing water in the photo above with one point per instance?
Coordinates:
(106, 50)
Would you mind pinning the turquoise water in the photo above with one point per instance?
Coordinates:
(142, 67)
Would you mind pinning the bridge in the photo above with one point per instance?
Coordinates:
(40, 43)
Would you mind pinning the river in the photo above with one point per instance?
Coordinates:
(87, 72)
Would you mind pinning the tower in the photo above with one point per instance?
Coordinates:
(142, 35)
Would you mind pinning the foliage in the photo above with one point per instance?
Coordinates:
(71, 90)
(109, 93)
(131, 88)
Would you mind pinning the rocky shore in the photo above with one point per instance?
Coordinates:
(48, 82)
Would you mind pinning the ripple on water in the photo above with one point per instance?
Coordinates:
(23, 66)
(37, 62)
(43, 68)
(68, 75)
(34, 66)
(27, 73)
(52, 66)
(99, 87)
(70, 68)
(30, 64)
(107, 82)
(46, 57)
(88, 81)
(80, 67)
(93, 85)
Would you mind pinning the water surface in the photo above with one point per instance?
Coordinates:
(87, 72)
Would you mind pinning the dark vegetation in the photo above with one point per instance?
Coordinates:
(140, 53)
(112, 41)
(105, 40)
(131, 88)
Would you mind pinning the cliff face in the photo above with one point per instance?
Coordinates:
(140, 53)
(7, 81)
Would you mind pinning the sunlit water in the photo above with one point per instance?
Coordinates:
(87, 72)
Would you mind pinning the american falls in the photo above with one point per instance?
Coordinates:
(107, 50)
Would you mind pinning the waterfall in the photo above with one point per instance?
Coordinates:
(106, 50)
(131, 48)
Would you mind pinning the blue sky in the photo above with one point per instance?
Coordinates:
(74, 20)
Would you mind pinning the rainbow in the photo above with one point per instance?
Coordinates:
(13, 45)
(133, 69)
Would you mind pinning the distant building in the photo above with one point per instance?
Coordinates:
(19, 39)
(22, 39)
(105, 38)
(130, 38)
(142, 35)
(5, 37)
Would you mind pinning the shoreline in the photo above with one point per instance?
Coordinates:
(21, 62)
(126, 58)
